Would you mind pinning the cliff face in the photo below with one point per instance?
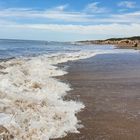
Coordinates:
(120, 42)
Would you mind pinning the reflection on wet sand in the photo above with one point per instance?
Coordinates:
(109, 86)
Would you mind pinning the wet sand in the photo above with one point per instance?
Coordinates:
(109, 86)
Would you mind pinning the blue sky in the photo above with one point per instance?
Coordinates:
(68, 20)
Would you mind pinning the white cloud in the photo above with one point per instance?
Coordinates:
(67, 32)
(61, 7)
(20, 14)
(132, 17)
(108, 29)
(109, 25)
(127, 4)
(95, 8)
(51, 14)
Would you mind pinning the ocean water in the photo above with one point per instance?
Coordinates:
(18, 48)
(31, 98)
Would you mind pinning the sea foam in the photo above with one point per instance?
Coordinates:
(31, 99)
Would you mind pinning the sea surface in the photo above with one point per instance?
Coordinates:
(31, 98)
(17, 48)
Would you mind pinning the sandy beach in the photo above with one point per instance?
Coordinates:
(109, 87)
(69, 70)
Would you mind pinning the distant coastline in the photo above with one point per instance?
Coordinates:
(119, 42)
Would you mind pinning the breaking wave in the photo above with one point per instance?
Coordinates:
(31, 99)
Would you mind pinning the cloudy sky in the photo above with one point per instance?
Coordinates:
(68, 20)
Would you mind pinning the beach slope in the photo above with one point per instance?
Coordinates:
(109, 86)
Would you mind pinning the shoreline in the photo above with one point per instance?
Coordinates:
(108, 85)
(32, 99)
(39, 89)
